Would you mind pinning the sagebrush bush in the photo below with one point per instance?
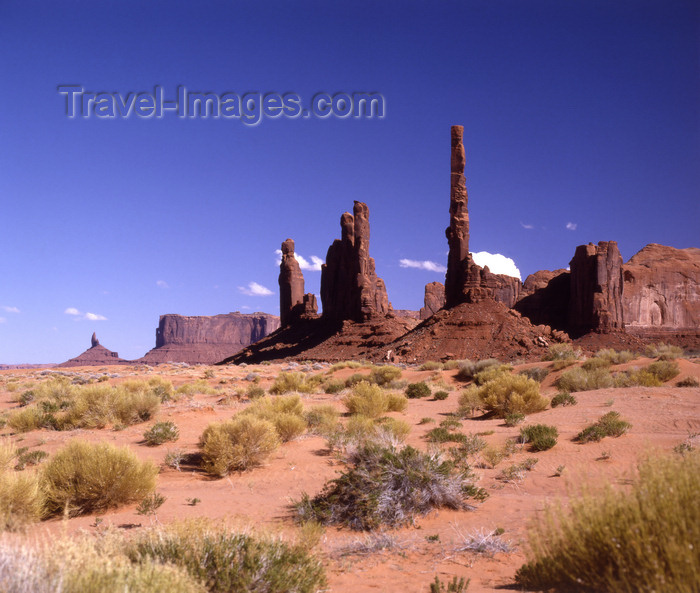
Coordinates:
(386, 486)
(199, 386)
(162, 388)
(372, 401)
(491, 373)
(228, 561)
(383, 375)
(238, 444)
(563, 398)
(441, 434)
(514, 418)
(595, 363)
(431, 365)
(332, 386)
(441, 395)
(536, 373)
(609, 425)
(294, 382)
(664, 351)
(84, 477)
(468, 369)
(645, 540)
(539, 437)
(509, 394)
(321, 418)
(286, 413)
(579, 379)
(21, 500)
(614, 356)
(636, 378)
(161, 432)
(562, 352)
(418, 390)
(664, 370)
(8, 451)
(469, 402)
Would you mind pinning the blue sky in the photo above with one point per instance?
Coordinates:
(580, 113)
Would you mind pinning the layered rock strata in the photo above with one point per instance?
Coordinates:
(433, 300)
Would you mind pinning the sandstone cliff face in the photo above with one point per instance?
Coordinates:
(434, 299)
(291, 282)
(661, 290)
(207, 339)
(350, 287)
(544, 298)
(595, 303)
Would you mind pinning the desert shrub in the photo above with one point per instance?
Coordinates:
(579, 379)
(254, 391)
(664, 351)
(356, 378)
(536, 373)
(664, 370)
(688, 382)
(562, 352)
(348, 364)
(450, 365)
(84, 477)
(441, 395)
(516, 471)
(28, 458)
(21, 500)
(635, 378)
(238, 444)
(510, 394)
(440, 434)
(431, 365)
(199, 386)
(417, 390)
(514, 418)
(321, 418)
(645, 540)
(372, 401)
(386, 486)
(396, 430)
(132, 407)
(563, 398)
(161, 432)
(595, 363)
(540, 437)
(615, 357)
(491, 373)
(293, 382)
(396, 402)
(469, 402)
(286, 413)
(162, 388)
(383, 375)
(558, 365)
(454, 586)
(468, 369)
(469, 446)
(360, 431)
(609, 425)
(227, 561)
(332, 386)
(8, 452)
(30, 418)
(289, 426)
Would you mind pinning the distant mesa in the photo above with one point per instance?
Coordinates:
(207, 339)
(96, 355)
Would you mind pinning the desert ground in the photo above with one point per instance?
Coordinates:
(406, 559)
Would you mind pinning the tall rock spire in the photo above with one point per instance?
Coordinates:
(291, 282)
(457, 233)
(94, 341)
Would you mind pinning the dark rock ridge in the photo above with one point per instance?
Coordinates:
(350, 287)
(207, 339)
(96, 355)
(544, 298)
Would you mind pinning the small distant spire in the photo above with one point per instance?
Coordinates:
(94, 341)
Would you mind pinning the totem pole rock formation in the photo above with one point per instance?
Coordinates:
(434, 299)
(291, 282)
(350, 288)
(94, 341)
(596, 289)
(96, 355)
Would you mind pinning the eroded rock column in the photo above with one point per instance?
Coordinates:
(291, 282)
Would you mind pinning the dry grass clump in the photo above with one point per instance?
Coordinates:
(384, 375)
(359, 431)
(595, 363)
(580, 379)
(21, 500)
(8, 452)
(506, 394)
(664, 370)
(321, 418)
(647, 540)
(562, 352)
(238, 444)
(372, 401)
(294, 383)
(286, 413)
(609, 425)
(468, 369)
(653, 375)
(664, 351)
(614, 356)
(387, 486)
(85, 477)
(227, 561)
(199, 386)
(492, 372)
(536, 373)
(688, 382)
(431, 365)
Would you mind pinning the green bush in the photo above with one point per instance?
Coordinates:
(441, 434)
(227, 561)
(332, 386)
(509, 394)
(540, 437)
(238, 444)
(536, 373)
(418, 390)
(441, 395)
(514, 418)
(385, 486)
(579, 379)
(609, 425)
(664, 370)
(453, 586)
(161, 432)
(563, 398)
(645, 540)
(85, 477)
(254, 392)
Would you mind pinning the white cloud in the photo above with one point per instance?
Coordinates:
(430, 266)
(313, 266)
(255, 289)
(497, 263)
(95, 317)
(529, 227)
(9, 309)
(571, 226)
(72, 311)
(162, 284)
